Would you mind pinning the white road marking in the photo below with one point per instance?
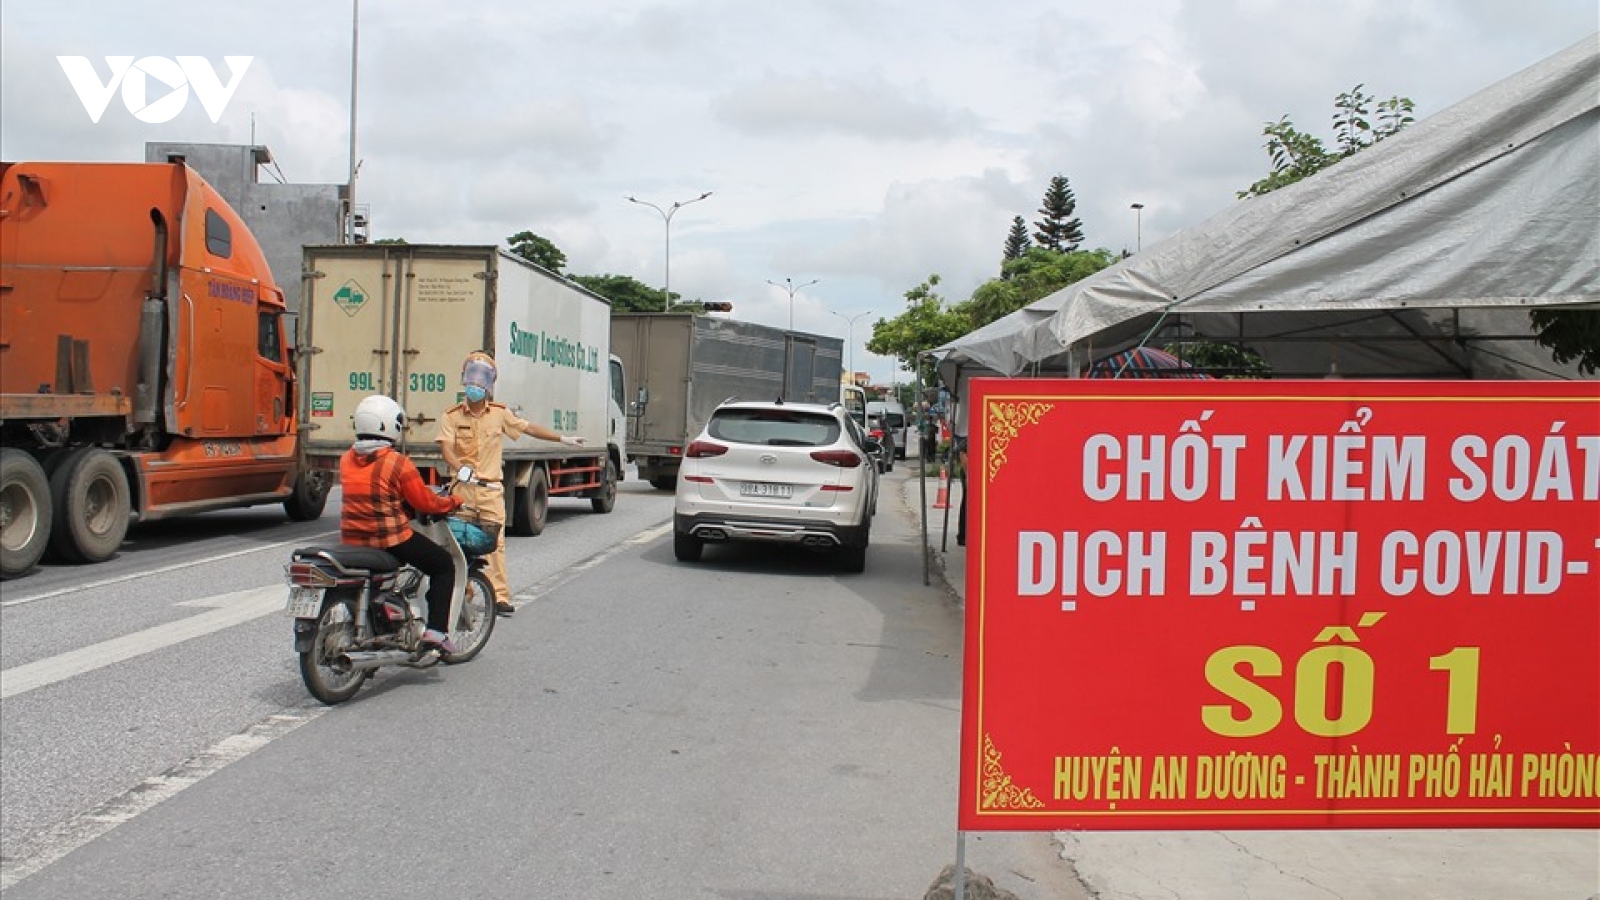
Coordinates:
(79, 588)
(81, 829)
(650, 534)
(551, 582)
(232, 609)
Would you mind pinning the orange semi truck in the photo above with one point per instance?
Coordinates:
(145, 368)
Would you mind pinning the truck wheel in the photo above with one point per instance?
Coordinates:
(664, 483)
(530, 505)
(89, 491)
(25, 511)
(605, 498)
(308, 497)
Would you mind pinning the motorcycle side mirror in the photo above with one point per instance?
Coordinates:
(464, 474)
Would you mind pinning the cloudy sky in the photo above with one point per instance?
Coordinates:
(863, 144)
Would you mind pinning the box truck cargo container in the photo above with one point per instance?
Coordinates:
(400, 319)
(684, 365)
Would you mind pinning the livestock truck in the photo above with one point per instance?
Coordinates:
(145, 369)
(684, 366)
(400, 319)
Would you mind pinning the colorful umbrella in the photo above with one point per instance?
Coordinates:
(1143, 362)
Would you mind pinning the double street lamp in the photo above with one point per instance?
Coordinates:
(666, 216)
(850, 342)
(791, 287)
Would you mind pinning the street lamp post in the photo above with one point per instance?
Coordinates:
(850, 341)
(1138, 227)
(791, 287)
(348, 234)
(666, 216)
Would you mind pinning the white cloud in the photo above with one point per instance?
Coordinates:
(867, 145)
(870, 108)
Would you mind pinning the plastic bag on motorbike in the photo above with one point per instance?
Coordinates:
(476, 539)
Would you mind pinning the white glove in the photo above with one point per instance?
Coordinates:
(572, 441)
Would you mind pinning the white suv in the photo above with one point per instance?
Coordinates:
(792, 473)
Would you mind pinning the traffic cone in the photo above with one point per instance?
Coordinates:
(941, 500)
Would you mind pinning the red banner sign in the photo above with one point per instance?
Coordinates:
(1267, 604)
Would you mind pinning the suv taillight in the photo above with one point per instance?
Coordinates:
(844, 459)
(702, 449)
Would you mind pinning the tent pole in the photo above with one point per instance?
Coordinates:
(922, 468)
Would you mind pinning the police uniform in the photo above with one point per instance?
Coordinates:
(477, 440)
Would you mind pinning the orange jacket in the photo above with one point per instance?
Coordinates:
(381, 491)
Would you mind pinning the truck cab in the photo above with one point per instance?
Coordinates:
(147, 367)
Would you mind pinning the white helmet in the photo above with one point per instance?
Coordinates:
(378, 417)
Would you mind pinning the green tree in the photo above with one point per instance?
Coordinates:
(928, 322)
(390, 241)
(1221, 360)
(1570, 334)
(626, 293)
(537, 250)
(1032, 276)
(1359, 121)
(1058, 230)
(1017, 242)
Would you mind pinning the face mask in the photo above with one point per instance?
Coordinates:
(475, 393)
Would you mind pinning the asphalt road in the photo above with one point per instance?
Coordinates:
(756, 726)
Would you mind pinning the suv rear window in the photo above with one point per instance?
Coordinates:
(773, 427)
(896, 421)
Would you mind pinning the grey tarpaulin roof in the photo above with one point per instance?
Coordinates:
(1418, 257)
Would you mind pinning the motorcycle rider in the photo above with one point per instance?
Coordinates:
(382, 490)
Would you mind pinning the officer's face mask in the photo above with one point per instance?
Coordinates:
(477, 377)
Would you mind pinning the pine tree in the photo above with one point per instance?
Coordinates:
(1017, 242)
(1058, 231)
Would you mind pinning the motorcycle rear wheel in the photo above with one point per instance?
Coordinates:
(471, 633)
(336, 633)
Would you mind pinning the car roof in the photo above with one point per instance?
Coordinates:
(823, 408)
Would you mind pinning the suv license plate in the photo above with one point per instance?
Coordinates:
(305, 602)
(765, 489)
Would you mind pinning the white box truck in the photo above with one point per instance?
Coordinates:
(400, 319)
(685, 365)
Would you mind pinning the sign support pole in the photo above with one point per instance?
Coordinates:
(960, 880)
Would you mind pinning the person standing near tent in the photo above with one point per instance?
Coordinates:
(473, 433)
(958, 451)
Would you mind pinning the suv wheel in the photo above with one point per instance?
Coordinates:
(686, 547)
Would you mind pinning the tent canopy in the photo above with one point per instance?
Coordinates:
(1418, 257)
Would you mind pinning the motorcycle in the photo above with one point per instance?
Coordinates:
(357, 609)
